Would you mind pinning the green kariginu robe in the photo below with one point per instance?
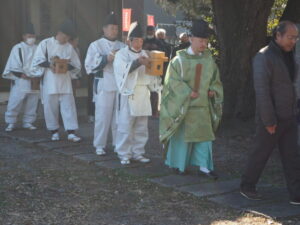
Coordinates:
(200, 116)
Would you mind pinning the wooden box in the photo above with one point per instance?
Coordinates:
(157, 60)
(61, 66)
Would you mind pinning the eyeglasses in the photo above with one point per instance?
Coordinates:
(292, 38)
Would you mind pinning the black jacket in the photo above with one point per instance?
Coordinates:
(274, 88)
(164, 47)
(179, 47)
(150, 44)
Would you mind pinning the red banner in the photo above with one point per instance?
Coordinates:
(126, 19)
(150, 20)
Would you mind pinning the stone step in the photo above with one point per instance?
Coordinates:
(176, 180)
(275, 202)
(155, 168)
(211, 188)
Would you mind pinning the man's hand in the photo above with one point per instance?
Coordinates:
(24, 76)
(52, 68)
(111, 57)
(271, 129)
(144, 61)
(194, 94)
(211, 94)
(52, 63)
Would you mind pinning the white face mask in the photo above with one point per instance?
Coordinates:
(30, 41)
(150, 36)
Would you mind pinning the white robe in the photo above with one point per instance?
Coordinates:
(55, 83)
(134, 104)
(95, 54)
(57, 88)
(21, 95)
(105, 89)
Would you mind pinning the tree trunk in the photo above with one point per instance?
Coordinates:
(292, 11)
(241, 32)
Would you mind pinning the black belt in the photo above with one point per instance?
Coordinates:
(98, 74)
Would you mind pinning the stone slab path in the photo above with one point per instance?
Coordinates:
(223, 192)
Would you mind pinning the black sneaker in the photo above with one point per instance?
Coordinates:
(295, 202)
(252, 195)
(213, 175)
(210, 174)
(178, 172)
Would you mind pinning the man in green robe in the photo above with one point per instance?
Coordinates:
(191, 105)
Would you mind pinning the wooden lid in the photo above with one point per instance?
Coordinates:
(157, 54)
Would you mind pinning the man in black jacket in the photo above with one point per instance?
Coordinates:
(274, 70)
(150, 42)
(184, 42)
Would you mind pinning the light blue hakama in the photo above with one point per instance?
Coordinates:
(182, 154)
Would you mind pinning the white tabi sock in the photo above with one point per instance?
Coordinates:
(204, 170)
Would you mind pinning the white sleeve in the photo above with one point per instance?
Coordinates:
(125, 81)
(13, 64)
(93, 59)
(38, 58)
(75, 62)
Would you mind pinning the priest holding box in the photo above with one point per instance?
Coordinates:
(56, 61)
(191, 105)
(134, 106)
(99, 64)
(22, 92)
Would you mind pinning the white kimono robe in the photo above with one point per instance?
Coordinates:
(105, 88)
(134, 104)
(21, 94)
(57, 90)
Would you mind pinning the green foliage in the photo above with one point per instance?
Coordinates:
(203, 8)
(275, 15)
(196, 9)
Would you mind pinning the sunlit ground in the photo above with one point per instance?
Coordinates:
(247, 219)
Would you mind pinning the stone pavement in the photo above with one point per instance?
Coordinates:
(223, 192)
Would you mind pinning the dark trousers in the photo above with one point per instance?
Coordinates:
(286, 139)
(90, 103)
(154, 103)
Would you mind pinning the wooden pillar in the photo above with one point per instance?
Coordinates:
(13, 17)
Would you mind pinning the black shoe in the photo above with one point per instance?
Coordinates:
(252, 195)
(211, 174)
(178, 172)
(295, 202)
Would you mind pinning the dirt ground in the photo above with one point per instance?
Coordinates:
(43, 188)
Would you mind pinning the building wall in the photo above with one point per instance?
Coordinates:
(47, 15)
(141, 8)
(11, 18)
(137, 7)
